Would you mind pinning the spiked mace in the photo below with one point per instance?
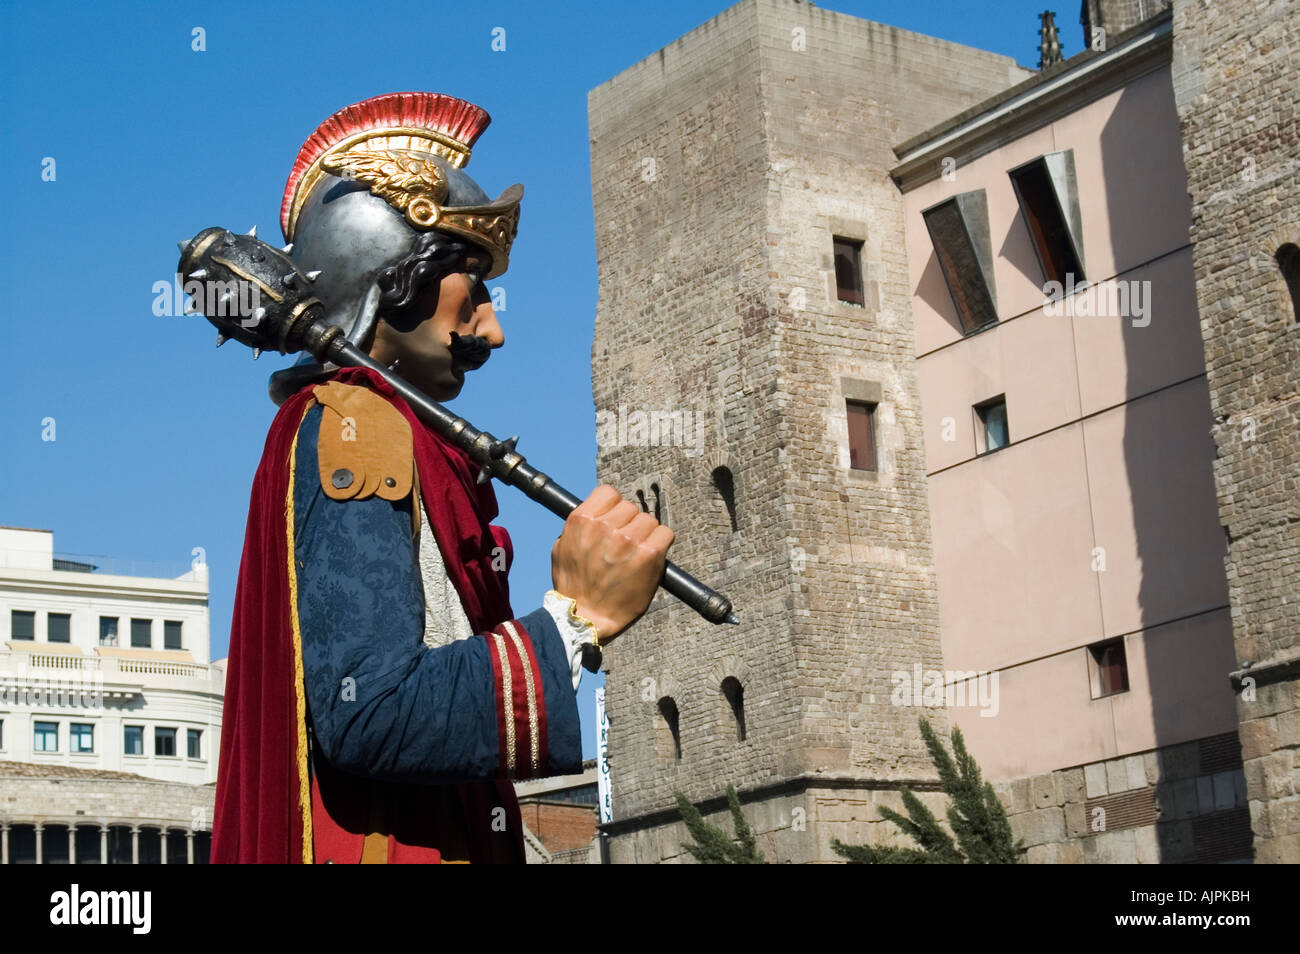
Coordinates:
(289, 319)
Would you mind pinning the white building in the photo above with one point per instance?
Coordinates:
(101, 675)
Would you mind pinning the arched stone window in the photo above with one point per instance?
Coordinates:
(668, 738)
(725, 485)
(1288, 263)
(734, 693)
(651, 503)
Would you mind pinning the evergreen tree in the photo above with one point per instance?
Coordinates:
(713, 846)
(975, 815)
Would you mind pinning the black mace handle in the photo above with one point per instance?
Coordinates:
(502, 461)
(288, 319)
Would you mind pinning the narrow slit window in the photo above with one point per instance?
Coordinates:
(848, 271)
(669, 729)
(862, 435)
(1288, 262)
(725, 485)
(734, 693)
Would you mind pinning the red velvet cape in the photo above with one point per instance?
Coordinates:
(260, 809)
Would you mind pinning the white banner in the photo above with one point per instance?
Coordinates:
(603, 787)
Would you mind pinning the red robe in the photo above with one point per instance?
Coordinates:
(270, 806)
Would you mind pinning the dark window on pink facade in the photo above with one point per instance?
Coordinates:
(1049, 200)
(959, 230)
(1108, 668)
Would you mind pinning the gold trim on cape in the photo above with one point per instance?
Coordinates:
(299, 689)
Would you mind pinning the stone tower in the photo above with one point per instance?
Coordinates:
(1236, 67)
(732, 172)
(1103, 20)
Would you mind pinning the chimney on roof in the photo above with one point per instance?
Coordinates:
(1049, 44)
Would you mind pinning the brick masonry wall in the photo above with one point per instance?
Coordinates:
(1236, 67)
(560, 826)
(722, 165)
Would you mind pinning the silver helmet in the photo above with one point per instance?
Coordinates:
(368, 188)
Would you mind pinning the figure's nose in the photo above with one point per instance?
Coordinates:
(486, 325)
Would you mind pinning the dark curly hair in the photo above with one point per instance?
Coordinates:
(435, 254)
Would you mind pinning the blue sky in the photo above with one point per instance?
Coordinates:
(157, 434)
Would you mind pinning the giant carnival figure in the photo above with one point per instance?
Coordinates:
(381, 692)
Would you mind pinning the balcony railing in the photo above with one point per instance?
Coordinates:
(162, 668)
(108, 669)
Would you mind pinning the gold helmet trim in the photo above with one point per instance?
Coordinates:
(414, 185)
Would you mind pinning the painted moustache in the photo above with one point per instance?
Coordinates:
(469, 352)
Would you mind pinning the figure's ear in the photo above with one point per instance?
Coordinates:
(422, 306)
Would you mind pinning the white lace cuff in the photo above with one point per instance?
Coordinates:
(576, 635)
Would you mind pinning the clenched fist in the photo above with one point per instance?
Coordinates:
(610, 559)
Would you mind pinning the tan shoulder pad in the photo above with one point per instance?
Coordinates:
(364, 446)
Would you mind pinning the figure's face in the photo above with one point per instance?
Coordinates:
(420, 339)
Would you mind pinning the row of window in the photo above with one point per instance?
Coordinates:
(991, 430)
(668, 730)
(1107, 672)
(58, 629)
(1047, 192)
(90, 844)
(81, 738)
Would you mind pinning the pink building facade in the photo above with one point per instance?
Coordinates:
(1077, 541)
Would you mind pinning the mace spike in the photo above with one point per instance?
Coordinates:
(312, 276)
(287, 249)
(198, 274)
(257, 353)
(253, 231)
(221, 339)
